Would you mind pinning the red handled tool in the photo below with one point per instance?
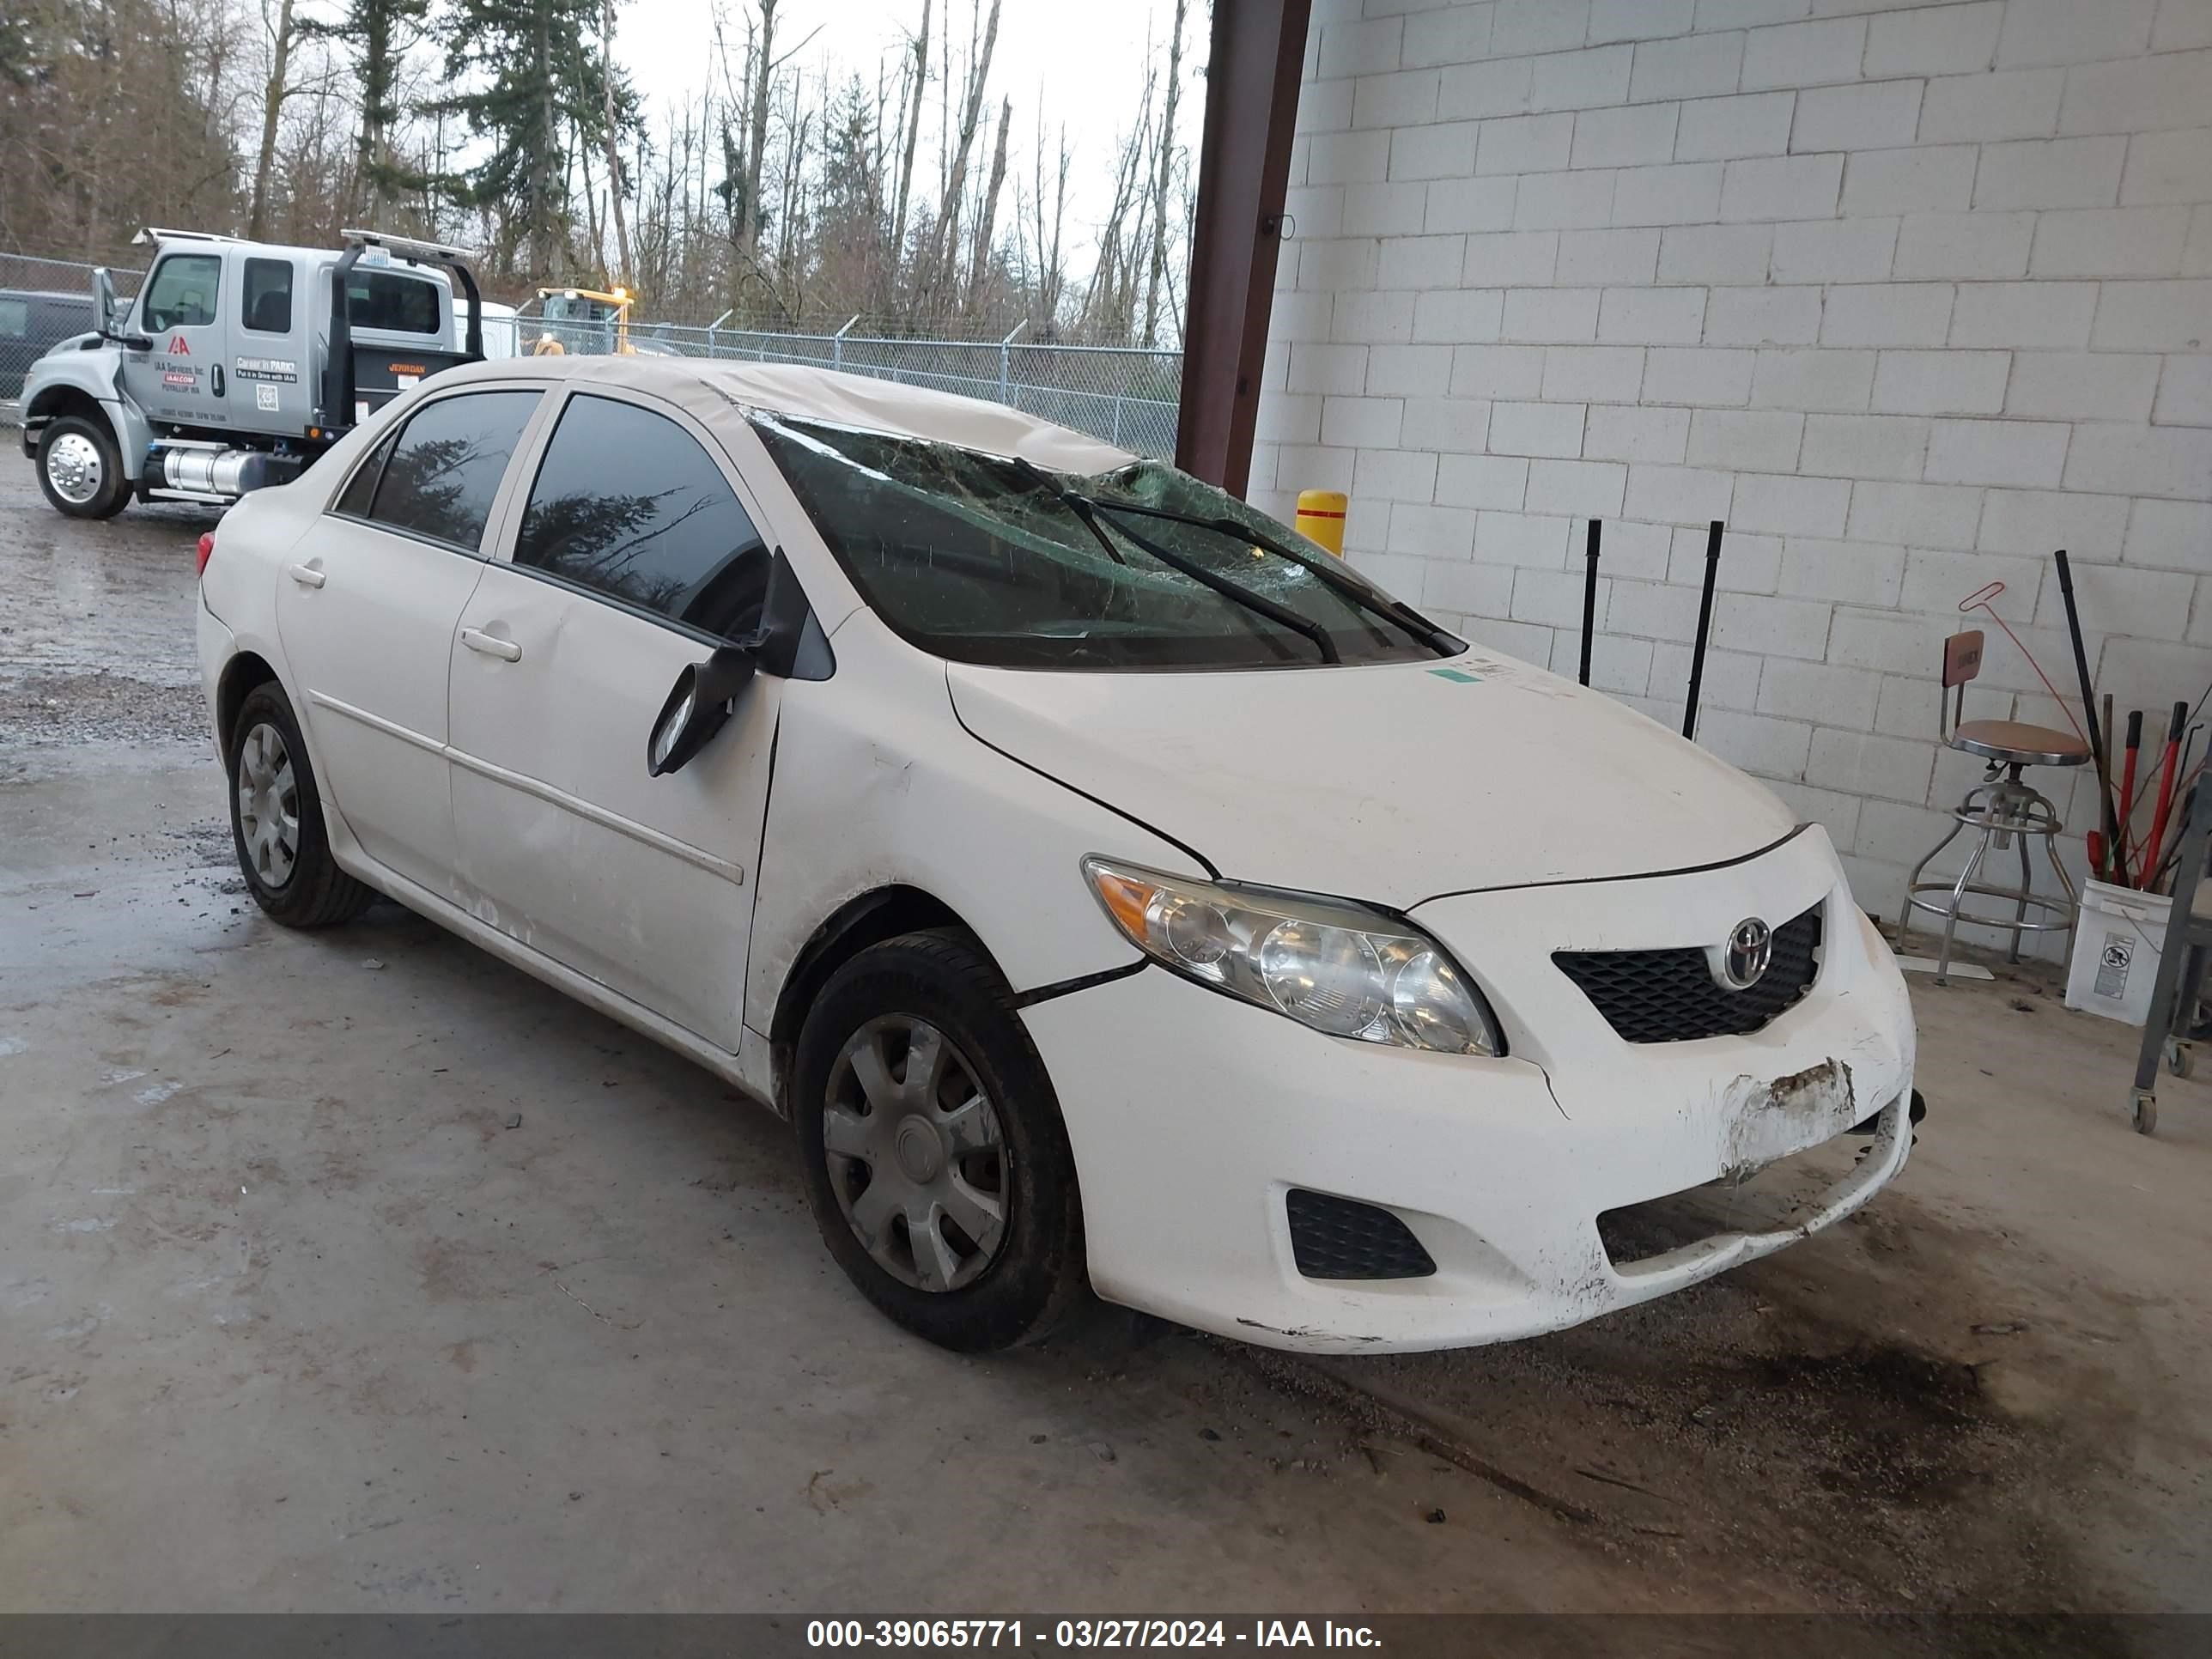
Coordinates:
(2165, 788)
(2128, 770)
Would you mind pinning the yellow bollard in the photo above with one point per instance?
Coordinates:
(1320, 517)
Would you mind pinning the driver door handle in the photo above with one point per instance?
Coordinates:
(307, 576)
(491, 645)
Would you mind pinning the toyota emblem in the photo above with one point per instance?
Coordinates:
(1750, 949)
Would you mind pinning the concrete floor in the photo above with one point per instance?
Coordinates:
(355, 1271)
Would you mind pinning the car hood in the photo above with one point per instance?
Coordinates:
(1394, 782)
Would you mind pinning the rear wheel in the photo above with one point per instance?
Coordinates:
(935, 1157)
(80, 469)
(276, 819)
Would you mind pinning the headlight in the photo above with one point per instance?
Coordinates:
(1341, 970)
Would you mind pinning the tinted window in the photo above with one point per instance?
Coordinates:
(384, 299)
(972, 558)
(626, 503)
(183, 292)
(445, 467)
(265, 304)
(14, 318)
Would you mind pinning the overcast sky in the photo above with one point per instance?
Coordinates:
(1082, 61)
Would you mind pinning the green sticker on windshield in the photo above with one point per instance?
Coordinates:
(1457, 677)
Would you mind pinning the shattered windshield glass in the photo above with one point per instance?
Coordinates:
(979, 558)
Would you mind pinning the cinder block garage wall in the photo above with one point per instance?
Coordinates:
(1909, 293)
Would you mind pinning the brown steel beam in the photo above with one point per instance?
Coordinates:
(1251, 106)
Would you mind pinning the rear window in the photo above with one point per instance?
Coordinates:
(265, 306)
(444, 471)
(386, 300)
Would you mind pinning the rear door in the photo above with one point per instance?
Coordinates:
(635, 554)
(366, 606)
(269, 390)
(182, 379)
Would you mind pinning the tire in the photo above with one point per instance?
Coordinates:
(283, 853)
(100, 493)
(975, 1294)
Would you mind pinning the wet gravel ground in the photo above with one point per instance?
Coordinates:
(96, 633)
(1982, 1394)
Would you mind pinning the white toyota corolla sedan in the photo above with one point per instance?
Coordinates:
(1115, 891)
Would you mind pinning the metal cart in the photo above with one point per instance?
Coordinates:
(2180, 969)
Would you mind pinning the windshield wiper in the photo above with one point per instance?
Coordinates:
(1329, 575)
(1085, 508)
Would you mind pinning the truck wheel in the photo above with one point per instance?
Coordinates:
(80, 469)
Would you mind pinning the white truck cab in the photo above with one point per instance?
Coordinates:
(238, 363)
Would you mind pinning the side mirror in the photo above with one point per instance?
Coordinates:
(103, 300)
(698, 708)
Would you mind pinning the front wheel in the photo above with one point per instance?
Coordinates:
(935, 1157)
(80, 469)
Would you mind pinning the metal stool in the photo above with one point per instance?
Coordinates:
(2003, 808)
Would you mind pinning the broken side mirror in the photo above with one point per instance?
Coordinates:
(698, 708)
(788, 644)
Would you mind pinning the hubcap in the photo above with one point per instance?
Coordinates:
(267, 806)
(73, 467)
(917, 1154)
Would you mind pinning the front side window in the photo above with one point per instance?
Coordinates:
(386, 300)
(628, 505)
(444, 471)
(183, 292)
(265, 300)
(977, 558)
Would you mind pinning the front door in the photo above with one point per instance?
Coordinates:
(270, 389)
(632, 557)
(182, 379)
(366, 607)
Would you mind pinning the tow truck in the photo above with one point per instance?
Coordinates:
(239, 362)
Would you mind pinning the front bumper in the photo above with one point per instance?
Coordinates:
(1192, 1115)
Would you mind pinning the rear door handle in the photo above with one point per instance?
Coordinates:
(307, 576)
(477, 640)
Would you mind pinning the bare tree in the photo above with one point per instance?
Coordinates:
(910, 102)
(611, 133)
(1158, 271)
(272, 107)
(944, 243)
(979, 261)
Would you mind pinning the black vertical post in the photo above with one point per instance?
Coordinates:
(1589, 599)
(2107, 816)
(1705, 628)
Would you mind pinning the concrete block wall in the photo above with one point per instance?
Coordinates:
(1909, 293)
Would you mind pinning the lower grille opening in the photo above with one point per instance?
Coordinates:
(1786, 1192)
(1341, 1238)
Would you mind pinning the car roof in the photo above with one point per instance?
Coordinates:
(710, 390)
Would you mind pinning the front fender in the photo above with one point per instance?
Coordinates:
(877, 784)
(69, 374)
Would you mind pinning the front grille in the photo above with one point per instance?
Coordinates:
(1671, 996)
(1338, 1238)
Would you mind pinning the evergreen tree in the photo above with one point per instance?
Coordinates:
(539, 94)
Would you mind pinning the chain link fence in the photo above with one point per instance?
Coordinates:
(1125, 395)
(42, 303)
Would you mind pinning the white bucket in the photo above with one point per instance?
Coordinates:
(2118, 938)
